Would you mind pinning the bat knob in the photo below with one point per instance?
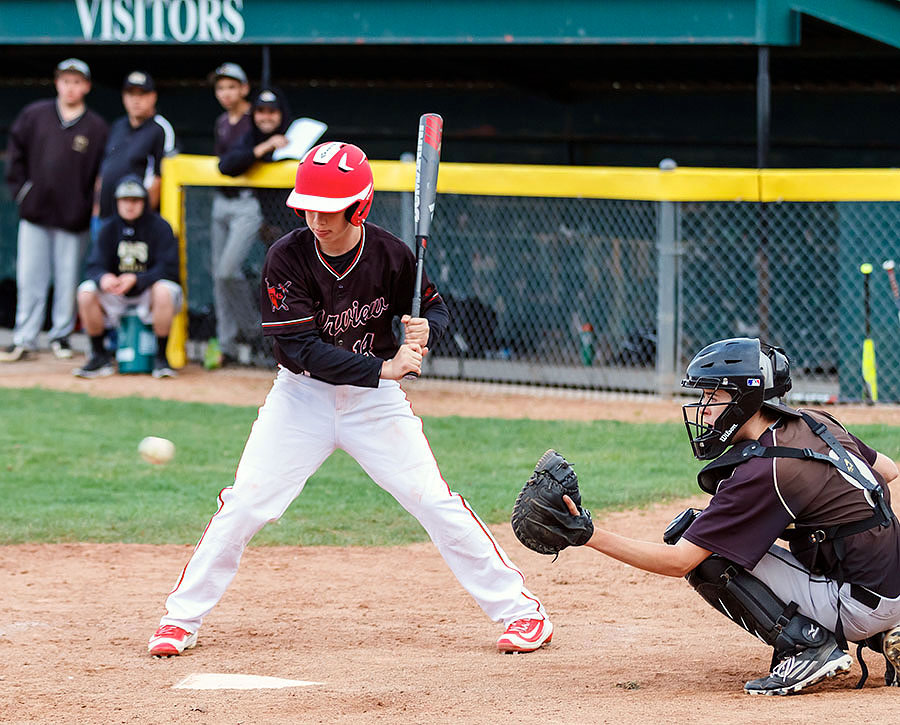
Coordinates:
(865, 268)
(887, 265)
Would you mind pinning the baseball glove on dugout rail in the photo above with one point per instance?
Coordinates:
(540, 518)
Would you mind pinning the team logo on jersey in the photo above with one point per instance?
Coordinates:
(277, 295)
(80, 143)
(753, 382)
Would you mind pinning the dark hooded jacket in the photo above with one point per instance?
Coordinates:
(146, 247)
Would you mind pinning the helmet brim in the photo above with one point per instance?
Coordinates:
(307, 202)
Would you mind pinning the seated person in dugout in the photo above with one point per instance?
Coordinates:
(774, 473)
(132, 265)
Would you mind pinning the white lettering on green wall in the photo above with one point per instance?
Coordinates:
(185, 21)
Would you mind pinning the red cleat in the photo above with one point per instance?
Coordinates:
(170, 640)
(525, 635)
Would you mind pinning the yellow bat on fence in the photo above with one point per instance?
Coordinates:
(869, 371)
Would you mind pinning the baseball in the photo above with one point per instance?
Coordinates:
(156, 450)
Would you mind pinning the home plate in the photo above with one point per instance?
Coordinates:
(213, 681)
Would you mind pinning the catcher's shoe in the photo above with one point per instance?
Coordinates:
(891, 647)
(170, 640)
(525, 635)
(794, 673)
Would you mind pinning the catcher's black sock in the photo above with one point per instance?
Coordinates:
(97, 344)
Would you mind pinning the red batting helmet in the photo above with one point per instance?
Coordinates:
(334, 176)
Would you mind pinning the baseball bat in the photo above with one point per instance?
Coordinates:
(888, 266)
(428, 156)
(869, 372)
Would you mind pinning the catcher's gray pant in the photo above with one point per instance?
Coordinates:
(234, 231)
(46, 254)
(817, 597)
(301, 423)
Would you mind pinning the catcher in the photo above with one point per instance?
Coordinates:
(774, 473)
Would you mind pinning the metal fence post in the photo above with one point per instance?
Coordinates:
(667, 291)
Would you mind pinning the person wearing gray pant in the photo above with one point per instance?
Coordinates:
(53, 157)
(234, 231)
(236, 309)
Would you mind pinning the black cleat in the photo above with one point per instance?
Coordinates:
(808, 667)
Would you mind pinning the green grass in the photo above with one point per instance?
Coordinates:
(69, 471)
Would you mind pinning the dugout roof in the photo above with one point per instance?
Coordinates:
(746, 22)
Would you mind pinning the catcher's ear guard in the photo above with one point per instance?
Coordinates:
(681, 523)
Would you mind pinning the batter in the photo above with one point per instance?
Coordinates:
(329, 294)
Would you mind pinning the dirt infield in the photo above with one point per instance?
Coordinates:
(387, 632)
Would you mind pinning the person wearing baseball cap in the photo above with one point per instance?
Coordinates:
(229, 70)
(54, 151)
(73, 65)
(235, 217)
(139, 80)
(236, 316)
(137, 143)
(133, 264)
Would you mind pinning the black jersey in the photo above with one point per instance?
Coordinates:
(354, 309)
(136, 151)
(52, 165)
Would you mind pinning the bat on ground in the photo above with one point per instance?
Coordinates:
(428, 155)
(888, 266)
(869, 372)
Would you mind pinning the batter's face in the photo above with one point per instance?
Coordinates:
(334, 232)
(230, 92)
(71, 88)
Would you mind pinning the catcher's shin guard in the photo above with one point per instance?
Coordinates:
(746, 600)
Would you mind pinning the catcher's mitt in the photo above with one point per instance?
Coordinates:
(540, 518)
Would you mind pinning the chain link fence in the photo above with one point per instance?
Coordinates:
(618, 295)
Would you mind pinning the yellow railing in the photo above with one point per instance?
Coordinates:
(680, 184)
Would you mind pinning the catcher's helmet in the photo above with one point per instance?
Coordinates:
(334, 176)
(755, 374)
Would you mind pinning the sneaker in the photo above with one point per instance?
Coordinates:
(794, 673)
(212, 358)
(161, 369)
(14, 353)
(891, 648)
(99, 366)
(169, 641)
(525, 635)
(61, 348)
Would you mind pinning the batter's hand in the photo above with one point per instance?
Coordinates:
(417, 331)
(407, 360)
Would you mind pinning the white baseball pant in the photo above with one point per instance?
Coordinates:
(301, 423)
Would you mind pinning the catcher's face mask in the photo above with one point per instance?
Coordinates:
(712, 422)
(735, 375)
